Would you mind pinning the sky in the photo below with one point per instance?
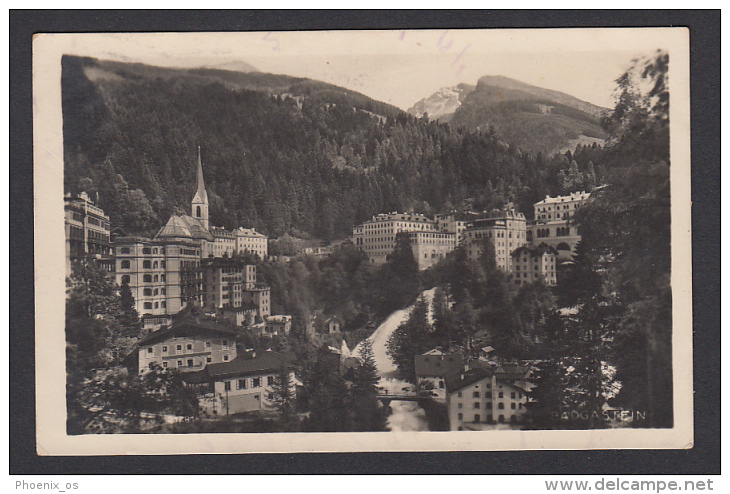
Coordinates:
(399, 67)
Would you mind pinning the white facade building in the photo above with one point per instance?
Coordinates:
(553, 224)
(248, 239)
(505, 228)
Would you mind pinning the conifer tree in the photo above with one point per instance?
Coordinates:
(368, 414)
(411, 338)
(281, 397)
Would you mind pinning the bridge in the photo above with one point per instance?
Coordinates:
(386, 398)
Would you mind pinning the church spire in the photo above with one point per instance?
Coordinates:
(200, 182)
(200, 199)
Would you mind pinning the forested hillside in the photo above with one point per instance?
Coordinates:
(535, 119)
(281, 154)
(532, 118)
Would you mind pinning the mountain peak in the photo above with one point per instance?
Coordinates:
(533, 118)
(503, 82)
(443, 103)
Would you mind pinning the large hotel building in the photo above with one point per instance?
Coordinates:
(507, 229)
(164, 276)
(183, 264)
(376, 237)
(553, 224)
(87, 232)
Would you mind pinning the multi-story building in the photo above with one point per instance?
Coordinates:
(532, 265)
(231, 284)
(245, 384)
(553, 224)
(87, 232)
(456, 223)
(430, 240)
(431, 247)
(258, 296)
(224, 243)
(223, 282)
(431, 370)
(376, 237)
(504, 228)
(560, 207)
(483, 395)
(164, 272)
(190, 343)
(163, 276)
(249, 240)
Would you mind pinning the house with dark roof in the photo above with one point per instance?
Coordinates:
(326, 324)
(244, 384)
(530, 265)
(431, 370)
(486, 394)
(190, 343)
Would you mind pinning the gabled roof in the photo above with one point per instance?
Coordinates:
(184, 226)
(190, 320)
(265, 361)
(460, 380)
(248, 232)
(435, 351)
(430, 364)
(511, 372)
(535, 252)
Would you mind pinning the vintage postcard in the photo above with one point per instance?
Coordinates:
(345, 241)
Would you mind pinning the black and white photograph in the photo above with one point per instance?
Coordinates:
(396, 240)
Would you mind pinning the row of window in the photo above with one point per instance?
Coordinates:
(148, 278)
(181, 363)
(488, 394)
(478, 418)
(188, 347)
(145, 250)
(477, 405)
(126, 263)
(255, 382)
(548, 209)
(149, 292)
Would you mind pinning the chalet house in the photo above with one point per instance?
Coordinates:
(242, 385)
(431, 370)
(324, 324)
(190, 343)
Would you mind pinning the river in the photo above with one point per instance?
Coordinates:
(406, 415)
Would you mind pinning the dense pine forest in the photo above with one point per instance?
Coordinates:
(282, 154)
(288, 155)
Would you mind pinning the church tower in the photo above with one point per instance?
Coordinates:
(200, 200)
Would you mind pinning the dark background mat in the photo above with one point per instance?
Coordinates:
(704, 458)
